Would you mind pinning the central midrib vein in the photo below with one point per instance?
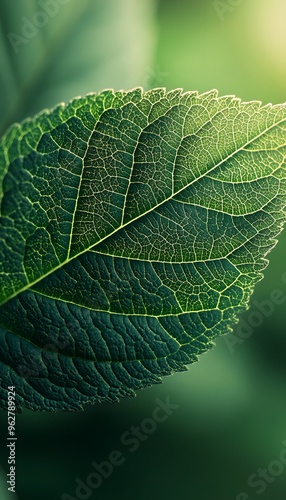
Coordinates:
(31, 284)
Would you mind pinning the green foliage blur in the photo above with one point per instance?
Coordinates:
(231, 419)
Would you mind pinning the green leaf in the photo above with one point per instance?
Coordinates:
(133, 229)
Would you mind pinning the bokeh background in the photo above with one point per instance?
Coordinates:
(231, 418)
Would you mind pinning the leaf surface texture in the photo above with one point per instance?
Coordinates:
(133, 229)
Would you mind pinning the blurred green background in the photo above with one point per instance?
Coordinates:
(231, 419)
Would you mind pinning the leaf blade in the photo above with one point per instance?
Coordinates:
(168, 216)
